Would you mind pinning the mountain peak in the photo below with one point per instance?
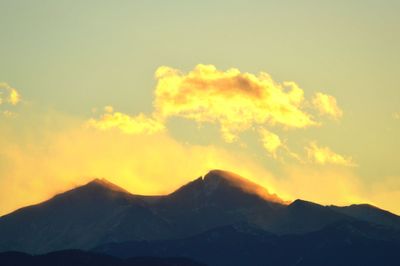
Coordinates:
(105, 184)
(216, 178)
(98, 186)
(222, 174)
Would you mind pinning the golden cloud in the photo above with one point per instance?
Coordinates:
(233, 100)
(324, 155)
(236, 101)
(9, 94)
(270, 141)
(139, 124)
(327, 105)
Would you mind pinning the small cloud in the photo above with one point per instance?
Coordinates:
(327, 105)
(8, 113)
(324, 155)
(9, 94)
(139, 124)
(270, 141)
(109, 109)
(14, 97)
(8, 97)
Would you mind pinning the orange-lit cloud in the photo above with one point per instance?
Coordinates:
(324, 155)
(236, 101)
(327, 105)
(128, 124)
(8, 94)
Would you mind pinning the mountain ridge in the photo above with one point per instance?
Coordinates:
(100, 212)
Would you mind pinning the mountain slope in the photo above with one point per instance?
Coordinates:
(303, 216)
(94, 213)
(81, 258)
(371, 214)
(218, 199)
(342, 243)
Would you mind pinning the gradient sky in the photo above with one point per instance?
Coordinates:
(70, 59)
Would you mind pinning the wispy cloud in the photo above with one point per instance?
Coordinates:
(9, 94)
(139, 124)
(270, 141)
(324, 155)
(327, 105)
(9, 97)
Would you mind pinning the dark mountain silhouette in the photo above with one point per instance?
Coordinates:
(342, 243)
(94, 213)
(101, 214)
(83, 258)
(369, 213)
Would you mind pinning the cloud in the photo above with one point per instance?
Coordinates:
(270, 141)
(8, 113)
(327, 105)
(9, 94)
(139, 124)
(234, 100)
(324, 155)
(14, 97)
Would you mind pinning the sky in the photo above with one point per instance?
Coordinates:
(301, 97)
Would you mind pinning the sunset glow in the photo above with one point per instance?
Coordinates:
(307, 110)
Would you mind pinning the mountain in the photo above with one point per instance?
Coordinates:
(99, 214)
(219, 198)
(342, 243)
(369, 213)
(82, 258)
(94, 213)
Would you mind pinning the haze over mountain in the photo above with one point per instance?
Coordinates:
(212, 209)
